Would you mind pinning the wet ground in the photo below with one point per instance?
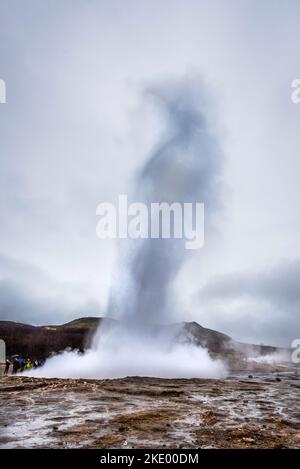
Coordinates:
(262, 411)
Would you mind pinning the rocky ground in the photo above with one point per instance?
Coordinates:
(238, 412)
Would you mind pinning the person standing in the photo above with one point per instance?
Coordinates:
(7, 365)
(16, 366)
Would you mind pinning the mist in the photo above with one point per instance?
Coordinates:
(121, 352)
(184, 166)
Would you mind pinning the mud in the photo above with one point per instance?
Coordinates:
(238, 412)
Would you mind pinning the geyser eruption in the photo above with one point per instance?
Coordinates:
(183, 167)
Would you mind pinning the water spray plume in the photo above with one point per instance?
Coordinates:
(184, 167)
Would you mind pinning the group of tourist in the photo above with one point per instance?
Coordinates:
(20, 364)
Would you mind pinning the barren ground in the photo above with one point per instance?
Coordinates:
(237, 412)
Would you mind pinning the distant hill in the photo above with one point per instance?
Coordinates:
(41, 341)
(83, 323)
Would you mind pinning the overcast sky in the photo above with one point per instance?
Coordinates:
(76, 128)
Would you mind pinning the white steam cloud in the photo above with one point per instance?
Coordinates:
(121, 353)
(184, 167)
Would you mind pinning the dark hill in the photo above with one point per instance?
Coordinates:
(41, 341)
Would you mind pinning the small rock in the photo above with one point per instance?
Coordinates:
(250, 376)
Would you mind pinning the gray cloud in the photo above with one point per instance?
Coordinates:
(261, 306)
(74, 132)
(28, 294)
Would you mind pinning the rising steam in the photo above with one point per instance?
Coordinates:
(184, 167)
